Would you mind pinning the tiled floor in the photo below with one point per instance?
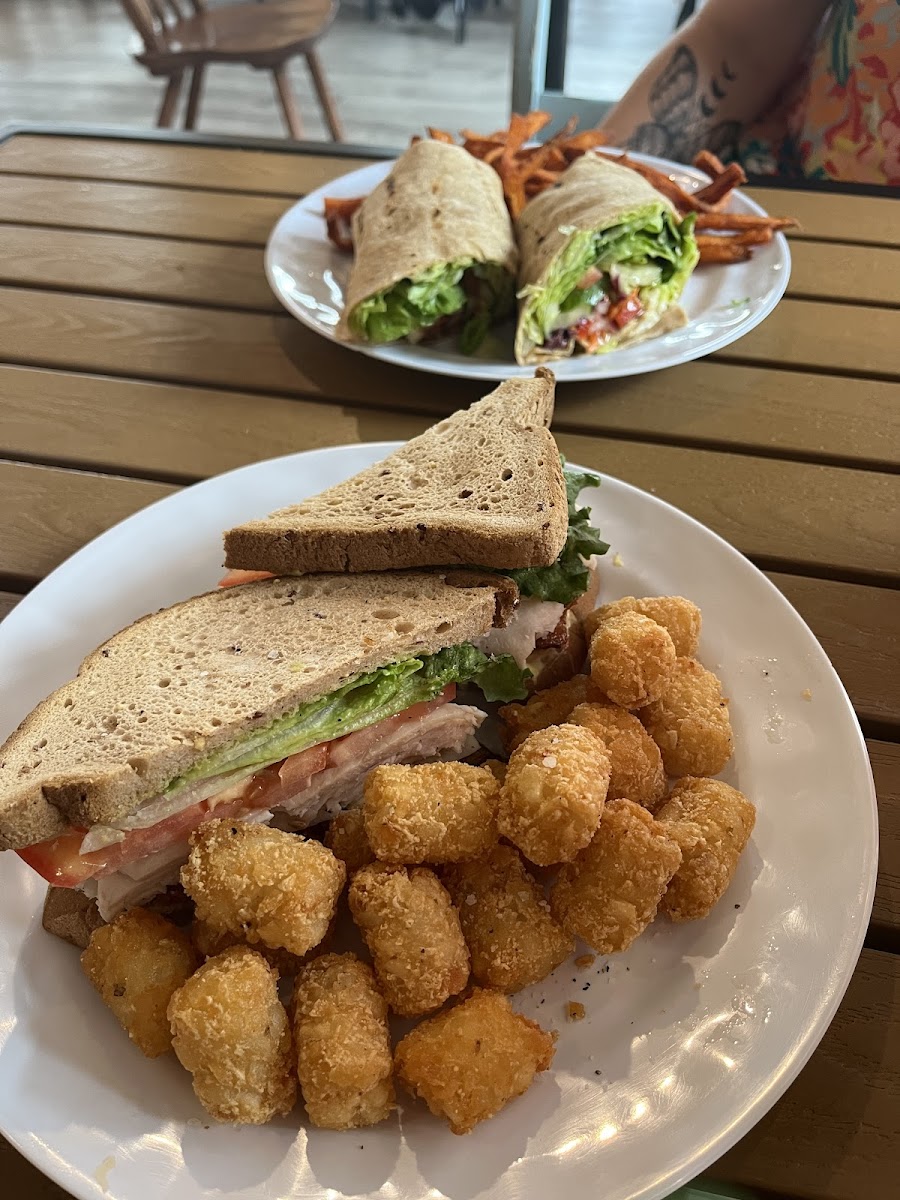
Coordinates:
(68, 60)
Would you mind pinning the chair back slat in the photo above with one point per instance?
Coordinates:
(152, 18)
(146, 21)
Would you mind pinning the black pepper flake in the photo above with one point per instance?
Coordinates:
(105, 653)
(737, 906)
(586, 986)
(597, 1072)
(235, 648)
(119, 989)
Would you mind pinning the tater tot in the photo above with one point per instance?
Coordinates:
(210, 941)
(342, 1043)
(679, 616)
(413, 933)
(466, 1064)
(712, 822)
(136, 964)
(231, 1032)
(551, 801)
(434, 813)
(690, 723)
(632, 659)
(346, 838)
(512, 938)
(636, 766)
(549, 707)
(271, 887)
(610, 893)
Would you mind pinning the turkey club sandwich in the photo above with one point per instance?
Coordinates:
(268, 702)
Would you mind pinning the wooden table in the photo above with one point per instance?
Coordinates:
(141, 349)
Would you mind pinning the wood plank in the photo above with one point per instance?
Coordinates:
(56, 512)
(706, 404)
(139, 267)
(776, 512)
(223, 168)
(163, 430)
(715, 404)
(863, 274)
(8, 601)
(885, 758)
(139, 208)
(873, 220)
(255, 352)
(833, 1135)
(815, 335)
(859, 628)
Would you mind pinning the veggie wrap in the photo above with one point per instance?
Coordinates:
(434, 251)
(604, 258)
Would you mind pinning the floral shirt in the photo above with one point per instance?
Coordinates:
(839, 118)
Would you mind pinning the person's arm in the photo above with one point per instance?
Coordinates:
(718, 73)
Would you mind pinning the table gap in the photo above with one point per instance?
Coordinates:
(150, 298)
(150, 237)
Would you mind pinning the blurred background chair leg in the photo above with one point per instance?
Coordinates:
(194, 96)
(170, 101)
(288, 101)
(459, 11)
(326, 100)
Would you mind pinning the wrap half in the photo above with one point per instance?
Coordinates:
(434, 251)
(604, 259)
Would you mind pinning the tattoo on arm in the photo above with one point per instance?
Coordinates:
(683, 114)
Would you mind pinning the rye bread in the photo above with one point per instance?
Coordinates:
(182, 683)
(483, 487)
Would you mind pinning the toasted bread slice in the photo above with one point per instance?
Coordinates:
(182, 683)
(483, 487)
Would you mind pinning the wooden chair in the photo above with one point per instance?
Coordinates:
(181, 36)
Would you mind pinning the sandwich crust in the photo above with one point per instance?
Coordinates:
(485, 486)
(180, 684)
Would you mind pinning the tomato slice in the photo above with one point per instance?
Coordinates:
(233, 578)
(60, 862)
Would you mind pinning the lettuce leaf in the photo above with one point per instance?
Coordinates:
(651, 235)
(412, 305)
(361, 702)
(568, 577)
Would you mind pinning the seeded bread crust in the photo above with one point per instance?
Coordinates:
(180, 684)
(483, 487)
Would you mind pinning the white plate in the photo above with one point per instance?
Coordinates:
(308, 275)
(689, 1037)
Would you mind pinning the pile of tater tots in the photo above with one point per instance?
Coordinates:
(466, 883)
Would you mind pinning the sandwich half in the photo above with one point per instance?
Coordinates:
(604, 260)
(485, 488)
(267, 702)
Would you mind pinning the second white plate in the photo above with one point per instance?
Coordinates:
(309, 275)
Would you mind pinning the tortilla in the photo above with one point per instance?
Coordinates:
(557, 242)
(438, 206)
